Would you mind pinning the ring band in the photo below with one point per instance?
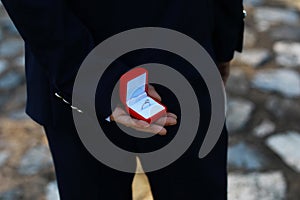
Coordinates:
(146, 103)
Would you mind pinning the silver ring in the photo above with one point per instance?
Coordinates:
(147, 102)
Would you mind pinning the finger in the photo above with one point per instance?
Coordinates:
(140, 123)
(133, 123)
(120, 116)
(166, 121)
(118, 111)
(152, 92)
(154, 129)
(171, 115)
(124, 120)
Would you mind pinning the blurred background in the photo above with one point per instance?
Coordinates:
(263, 114)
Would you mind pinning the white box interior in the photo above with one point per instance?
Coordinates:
(137, 96)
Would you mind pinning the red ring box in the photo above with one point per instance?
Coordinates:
(134, 96)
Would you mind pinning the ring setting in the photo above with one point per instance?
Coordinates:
(146, 104)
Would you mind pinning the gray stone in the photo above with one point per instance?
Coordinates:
(4, 19)
(11, 48)
(284, 81)
(10, 80)
(1, 34)
(254, 186)
(11, 29)
(18, 114)
(265, 17)
(237, 82)
(52, 191)
(286, 33)
(264, 129)
(244, 157)
(20, 62)
(3, 66)
(253, 2)
(17, 102)
(238, 114)
(35, 159)
(249, 38)
(286, 109)
(4, 155)
(286, 145)
(288, 54)
(254, 57)
(8, 26)
(3, 99)
(12, 194)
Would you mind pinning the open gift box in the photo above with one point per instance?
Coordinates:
(134, 95)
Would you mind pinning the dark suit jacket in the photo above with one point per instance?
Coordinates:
(59, 34)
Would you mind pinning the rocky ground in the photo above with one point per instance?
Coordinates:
(263, 114)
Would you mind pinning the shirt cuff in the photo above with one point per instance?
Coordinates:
(108, 119)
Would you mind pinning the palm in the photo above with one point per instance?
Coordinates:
(121, 116)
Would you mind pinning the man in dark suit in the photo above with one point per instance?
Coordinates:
(59, 34)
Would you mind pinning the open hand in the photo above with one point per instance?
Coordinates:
(224, 69)
(119, 115)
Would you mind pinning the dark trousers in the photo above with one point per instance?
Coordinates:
(81, 176)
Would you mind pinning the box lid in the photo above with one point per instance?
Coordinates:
(133, 84)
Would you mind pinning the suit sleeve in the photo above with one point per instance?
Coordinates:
(229, 28)
(57, 39)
